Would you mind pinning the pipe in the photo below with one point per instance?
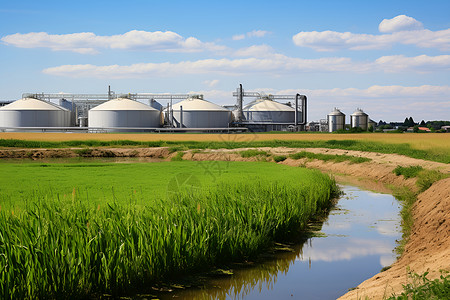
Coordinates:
(296, 111)
(181, 116)
(240, 100)
(304, 104)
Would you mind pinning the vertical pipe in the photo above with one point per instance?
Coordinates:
(296, 110)
(240, 101)
(181, 116)
(171, 112)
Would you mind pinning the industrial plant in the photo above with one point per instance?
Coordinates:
(146, 112)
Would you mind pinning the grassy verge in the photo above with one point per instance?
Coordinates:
(330, 157)
(56, 245)
(425, 178)
(421, 287)
(371, 146)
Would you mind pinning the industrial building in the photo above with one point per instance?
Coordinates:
(34, 114)
(123, 114)
(129, 112)
(195, 112)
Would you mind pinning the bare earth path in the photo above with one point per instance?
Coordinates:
(429, 246)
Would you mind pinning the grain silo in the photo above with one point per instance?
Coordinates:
(268, 110)
(31, 112)
(195, 112)
(359, 119)
(336, 120)
(123, 113)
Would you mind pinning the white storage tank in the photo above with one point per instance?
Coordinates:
(336, 120)
(359, 119)
(267, 110)
(123, 113)
(198, 113)
(31, 112)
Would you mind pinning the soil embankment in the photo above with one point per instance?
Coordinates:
(428, 248)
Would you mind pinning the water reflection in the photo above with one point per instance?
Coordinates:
(358, 240)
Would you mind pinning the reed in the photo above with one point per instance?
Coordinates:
(68, 247)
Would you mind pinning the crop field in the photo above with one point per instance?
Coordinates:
(429, 146)
(72, 230)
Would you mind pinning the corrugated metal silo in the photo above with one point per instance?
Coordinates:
(267, 110)
(336, 120)
(123, 113)
(359, 119)
(31, 112)
(199, 113)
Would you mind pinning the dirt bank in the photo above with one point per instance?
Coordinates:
(429, 246)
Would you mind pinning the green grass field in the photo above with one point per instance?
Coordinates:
(77, 230)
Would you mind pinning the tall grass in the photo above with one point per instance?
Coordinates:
(330, 157)
(69, 248)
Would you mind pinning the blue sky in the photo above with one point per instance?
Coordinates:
(391, 58)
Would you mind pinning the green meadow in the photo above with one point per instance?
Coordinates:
(73, 230)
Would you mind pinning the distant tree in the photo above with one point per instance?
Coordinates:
(416, 128)
(411, 122)
(406, 122)
(422, 124)
(381, 123)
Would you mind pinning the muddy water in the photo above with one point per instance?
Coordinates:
(356, 241)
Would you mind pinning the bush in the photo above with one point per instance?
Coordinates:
(407, 172)
(253, 152)
(278, 158)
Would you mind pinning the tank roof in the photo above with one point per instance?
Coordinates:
(196, 104)
(359, 112)
(122, 104)
(336, 112)
(267, 105)
(32, 104)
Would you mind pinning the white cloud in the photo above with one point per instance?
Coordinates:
(211, 83)
(254, 33)
(345, 251)
(238, 37)
(89, 43)
(402, 32)
(255, 51)
(399, 23)
(272, 64)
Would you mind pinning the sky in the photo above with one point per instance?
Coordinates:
(390, 58)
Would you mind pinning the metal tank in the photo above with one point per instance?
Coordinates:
(336, 120)
(123, 113)
(196, 112)
(267, 110)
(359, 119)
(31, 112)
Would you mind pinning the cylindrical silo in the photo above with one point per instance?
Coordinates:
(336, 120)
(267, 110)
(359, 119)
(31, 112)
(123, 113)
(199, 113)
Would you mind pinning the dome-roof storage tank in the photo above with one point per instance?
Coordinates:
(267, 110)
(196, 112)
(123, 113)
(336, 120)
(31, 112)
(359, 119)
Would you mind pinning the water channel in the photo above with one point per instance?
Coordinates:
(356, 241)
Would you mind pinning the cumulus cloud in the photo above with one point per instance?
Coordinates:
(399, 23)
(90, 43)
(254, 33)
(272, 64)
(400, 32)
